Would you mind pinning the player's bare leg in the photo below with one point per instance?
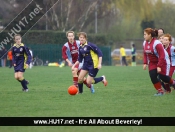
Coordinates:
(75, 77)
(92, 80)
(89, 85)
(20, 78)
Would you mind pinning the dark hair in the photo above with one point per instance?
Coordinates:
(161, 29)
(153, 32)
(133, 45)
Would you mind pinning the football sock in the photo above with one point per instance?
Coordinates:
(168, 89)
(172, 81)
(80, 87)
(163, 85)
(89, 86)
(23, 83)
(24, 80)
(158, 87)
(75, 81)
(99, 79)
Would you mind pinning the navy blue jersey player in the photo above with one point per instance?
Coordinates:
(21, 60)
(92, 57)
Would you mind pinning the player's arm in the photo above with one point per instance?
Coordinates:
(64, 55)
(161, 53)
(96, 49)
(99, 62)
(172, 52)
(99, 53)
(76, 63)
(145, 59)
(80, 59)
(69, 63)
(27, 52)
(13, 57)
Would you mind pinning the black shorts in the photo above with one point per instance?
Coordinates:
(92, 71)
(21, 70)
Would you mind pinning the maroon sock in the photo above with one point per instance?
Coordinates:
(158, 87)
(172, 81)
(168, 89)
(75, 81)
(89, 86)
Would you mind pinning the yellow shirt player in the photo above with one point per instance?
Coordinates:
(123, 55)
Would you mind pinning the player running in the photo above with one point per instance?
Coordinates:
(171, 52)
(92, 57)
(157, 59)
(70, 55)
(21, 60)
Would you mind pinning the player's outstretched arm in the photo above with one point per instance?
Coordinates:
(76, 63)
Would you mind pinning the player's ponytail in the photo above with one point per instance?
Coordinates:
(154, 33)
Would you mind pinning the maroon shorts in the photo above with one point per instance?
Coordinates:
(165, 69)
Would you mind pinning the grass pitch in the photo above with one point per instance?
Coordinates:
(129, 94)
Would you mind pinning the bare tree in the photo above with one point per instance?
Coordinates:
(77, 14)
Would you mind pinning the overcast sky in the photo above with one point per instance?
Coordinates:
(173, 1)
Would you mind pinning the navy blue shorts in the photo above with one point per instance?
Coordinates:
(19, 67)
(20, 70)
(92, 71)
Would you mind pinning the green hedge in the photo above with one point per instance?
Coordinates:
(53, 37)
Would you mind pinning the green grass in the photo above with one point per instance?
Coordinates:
(129, 94)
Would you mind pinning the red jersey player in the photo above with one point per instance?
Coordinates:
(171, 52)
(157, 60)
(70, 55)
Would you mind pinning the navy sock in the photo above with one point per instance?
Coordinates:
(23, 83)
(24, 80)
(80, 87)
(99, 79)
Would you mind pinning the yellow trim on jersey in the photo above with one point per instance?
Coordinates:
(82, 45)
(25, 59)
(16, 45)
(94, 58)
